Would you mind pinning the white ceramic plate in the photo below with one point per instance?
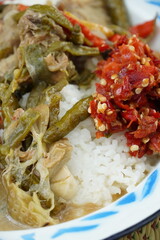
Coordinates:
(129, 212)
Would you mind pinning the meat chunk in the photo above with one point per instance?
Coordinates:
(64, 184)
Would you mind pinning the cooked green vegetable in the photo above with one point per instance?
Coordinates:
(46, 47)
(9, 102)
(4, 151)
(53, 13)
(48, 93)
(8, 109)
(52, 97)
(119, 29)
(77, 37)
(117, 11)
(58, 86)
(68, 122)
(18, 16)
(85, 78)
(35, 95)
(73, 49)
(35, 63)
(54, 109)
(22, 128)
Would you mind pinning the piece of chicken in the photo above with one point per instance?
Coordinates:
(64, 184)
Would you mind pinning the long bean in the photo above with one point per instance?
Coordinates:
(118, 13)
(35, 95)
(68, 122)
(23, 127)
(73, 49)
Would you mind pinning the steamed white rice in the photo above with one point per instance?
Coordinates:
(103, 166)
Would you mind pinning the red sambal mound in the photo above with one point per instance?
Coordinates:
(128, 96)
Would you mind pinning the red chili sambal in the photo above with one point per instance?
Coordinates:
(128, 96)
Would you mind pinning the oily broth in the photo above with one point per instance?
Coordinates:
(65, 213)
(72, 211)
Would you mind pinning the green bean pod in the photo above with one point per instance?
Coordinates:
(18, 16)
(119, 30)
(118, 13)
(69, 121)
(23, 127)
(73, 49)
(54, 109)
(85, 78)
(35, 95)
(48, 93)
(54, 14)
(51, 96)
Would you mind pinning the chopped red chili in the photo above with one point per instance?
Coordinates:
(128, 96)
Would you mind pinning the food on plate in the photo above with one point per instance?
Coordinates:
(89, 10)
(59, 75)
(127, 96)
(117, 11)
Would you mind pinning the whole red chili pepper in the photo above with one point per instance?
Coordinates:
(22, 7)
(95, 40)
(143, 30)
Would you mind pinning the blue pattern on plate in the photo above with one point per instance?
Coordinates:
(74, 230)
(154, 2)
(127, 199)
(100, 215)
(150, 184)
(28, 236)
